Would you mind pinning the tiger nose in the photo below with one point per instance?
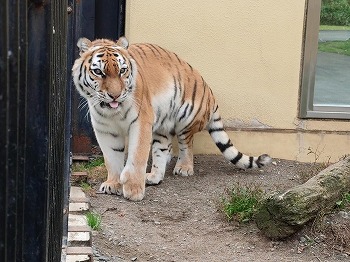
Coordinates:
(112, 96)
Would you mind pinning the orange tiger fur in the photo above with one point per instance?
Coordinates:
(148, 94)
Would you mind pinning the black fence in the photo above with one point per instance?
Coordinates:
(37, 49)
(33, 64)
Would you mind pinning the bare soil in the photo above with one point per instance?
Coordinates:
(181, 220)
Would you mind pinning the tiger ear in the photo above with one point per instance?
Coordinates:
(83, 44)
(123, 42)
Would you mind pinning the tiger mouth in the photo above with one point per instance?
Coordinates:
(111, 105)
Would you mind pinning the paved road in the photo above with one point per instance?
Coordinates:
(333, 35)
(332, 85)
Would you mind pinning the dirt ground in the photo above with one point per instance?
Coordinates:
(181, 220)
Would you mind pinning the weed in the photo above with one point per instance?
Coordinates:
(85, 186)
(344, 202)
(94, 220)
(241, 202)
(98, 161)
(86, 166)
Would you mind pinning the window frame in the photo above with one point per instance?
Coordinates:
(307, 108)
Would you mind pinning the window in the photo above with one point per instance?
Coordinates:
(325, 91)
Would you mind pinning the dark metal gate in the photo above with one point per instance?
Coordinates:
(33, 130)
(37, 49)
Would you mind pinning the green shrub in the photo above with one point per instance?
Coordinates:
(335, 12)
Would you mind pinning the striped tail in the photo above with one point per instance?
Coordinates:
(223, 142)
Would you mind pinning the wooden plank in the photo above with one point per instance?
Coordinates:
(80, 158)
(79, 251)
(79, 174)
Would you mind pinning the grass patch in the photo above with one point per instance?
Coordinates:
(334, 27)
(241, 202)
(86, 166)
(344, 203)
(338, 47)
(94, 220)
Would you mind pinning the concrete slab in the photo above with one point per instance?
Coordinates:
(78, 207)
(77, 220)
(76, 192)
(79, 237)
(78, 258)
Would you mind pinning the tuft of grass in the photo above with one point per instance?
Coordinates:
(99, 161)
(241, 202)
(338, 47)
(86, 166)
(344, 203)
(94, 220)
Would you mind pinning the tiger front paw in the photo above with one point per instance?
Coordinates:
(183, 170)
(133, 186)
(153, 178)
(111, 187)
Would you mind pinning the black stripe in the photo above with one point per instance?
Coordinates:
(155, 48)
(143, 51)
(193, 96)
(178, 59)
(251, 159)
(216, 109)
(161, 135)
(163, 149)
(184, 113)
(237, 158)
(217, 119)
(132, 122)
(190, 66)
(118, 149)
(140, 55)
(165, 51)
(156, 141)
(223, 147)
(126, 113)
(212, 130)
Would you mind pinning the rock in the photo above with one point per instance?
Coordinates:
(282, 214)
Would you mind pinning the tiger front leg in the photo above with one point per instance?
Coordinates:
(134, 173)
(112, 147)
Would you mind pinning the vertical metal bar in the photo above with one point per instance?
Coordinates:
(4, 89)
(311, 28)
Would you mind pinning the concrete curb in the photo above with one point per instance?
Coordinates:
(79, 233)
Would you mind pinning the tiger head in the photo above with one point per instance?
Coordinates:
(104, 74)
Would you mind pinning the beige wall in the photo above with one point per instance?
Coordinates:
(250, 54)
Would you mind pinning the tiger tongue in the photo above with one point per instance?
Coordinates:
(114, 104)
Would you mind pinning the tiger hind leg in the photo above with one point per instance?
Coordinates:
(184, 164)
(161, 155)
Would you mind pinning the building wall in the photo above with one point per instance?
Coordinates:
(250, 54)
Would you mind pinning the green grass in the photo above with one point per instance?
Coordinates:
(334, 27)
(93, 220)
(344, 203)
(241, 203)
(339, 47)
(85, 166)
(85, 186)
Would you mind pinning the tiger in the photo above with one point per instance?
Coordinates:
(141, 96)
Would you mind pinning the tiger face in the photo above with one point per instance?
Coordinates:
(105, 73)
